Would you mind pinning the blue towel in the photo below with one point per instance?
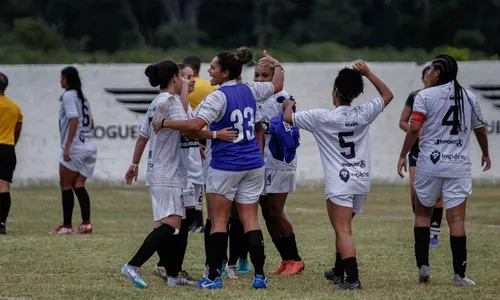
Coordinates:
(285, 138)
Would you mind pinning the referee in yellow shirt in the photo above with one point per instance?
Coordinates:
(202, 88)
(11, 120)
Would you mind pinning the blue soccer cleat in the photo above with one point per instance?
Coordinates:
(134, 275)
(208, 284)
(260, 282)
(223, 270)
(243, 266)
(434, 242)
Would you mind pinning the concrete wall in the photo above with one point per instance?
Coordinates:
(36, 88)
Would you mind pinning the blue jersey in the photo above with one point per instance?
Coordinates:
(243, 153)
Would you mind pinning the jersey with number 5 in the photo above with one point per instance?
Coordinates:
(444, 145)
(343, 140)
(243, 153)
(74, 107)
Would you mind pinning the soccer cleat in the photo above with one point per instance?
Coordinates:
(243, 266)
(293, 267)
(2, 228)
(160, 272)
(424, 274)
(208, 284)
(336, 279)
(197, 229)
(205, 271)
(179, 281)
(434, 242)
(260, 282)
(63, 229)
(281, 267)
(232, 271)
(134, 275)
(186, 275)
(348, 286)
(459, 281)
(85, 228)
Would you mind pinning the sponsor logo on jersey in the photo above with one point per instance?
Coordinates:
(351, 124)
(454, 157)
(435, 156)
(287, 126)
(268, 179)
(150, 154)
(187, 143)
(344, 175)
(361, 164)
(458, 143)
(361, 175)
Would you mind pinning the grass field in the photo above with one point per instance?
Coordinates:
(35, 265)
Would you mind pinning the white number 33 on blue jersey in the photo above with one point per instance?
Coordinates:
(239, 118)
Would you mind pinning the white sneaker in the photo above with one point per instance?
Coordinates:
(62, 230)
(459, 281)
(232, 271)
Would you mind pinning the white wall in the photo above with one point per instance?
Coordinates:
(36, 89)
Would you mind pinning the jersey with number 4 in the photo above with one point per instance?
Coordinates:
(343, 140)
(73, 107)
(444, 146)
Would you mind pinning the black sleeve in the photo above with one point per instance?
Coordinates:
(410, 100)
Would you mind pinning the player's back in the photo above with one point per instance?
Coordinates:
(10, 115)
(165, 165)
(72, 106)
(444, 143)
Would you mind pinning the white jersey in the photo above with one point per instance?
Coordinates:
(444, 148)
(343, 139)
(73, 107)
(165, 163)
(192, 157)
(269, 109)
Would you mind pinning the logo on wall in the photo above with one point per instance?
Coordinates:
(491, 93)
(435, 156)
(134, 99)
(344, 175)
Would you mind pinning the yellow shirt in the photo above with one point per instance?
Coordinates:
(202, 88)
(10, 115)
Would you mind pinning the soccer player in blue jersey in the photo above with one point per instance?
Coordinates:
(236, 170)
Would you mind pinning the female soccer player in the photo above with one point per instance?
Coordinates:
(444, 116)
(236, 170)
(437, 215)
(79, 154)
(280, 180)
(167, 177)
(343, 139)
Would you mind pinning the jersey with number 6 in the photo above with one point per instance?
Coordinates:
(444, 146)
(343, 140)
(74, 107)
(234, 105)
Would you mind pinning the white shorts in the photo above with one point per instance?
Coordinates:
(279, 181)
(193, 195)
(83, 162)
(245, 187)
(167, 201)
(354, 201)
(453, 190)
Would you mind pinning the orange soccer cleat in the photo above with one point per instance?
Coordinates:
(293, 267)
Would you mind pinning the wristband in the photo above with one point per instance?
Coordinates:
(135, 165)
(214, 135)
(281, 67)
(163, 120)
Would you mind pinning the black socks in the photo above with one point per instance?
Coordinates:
(255, 241)
(422, 238)
(206, 233)
(287, 247)
(459, 252)
(68, 201)
(84, 200)
(5, 202)
(236, 240)
(351, 269)
(339, 266)
(160, 239)
(437, 217)
(217, 245)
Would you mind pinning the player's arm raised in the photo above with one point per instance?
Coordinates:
(279, 75)
(384, 91)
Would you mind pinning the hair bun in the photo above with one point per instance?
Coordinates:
(152, 74)
(244, 55)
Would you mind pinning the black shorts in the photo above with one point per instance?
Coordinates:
(413, 156)
(7, 162)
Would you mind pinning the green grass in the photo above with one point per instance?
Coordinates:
(34, 264)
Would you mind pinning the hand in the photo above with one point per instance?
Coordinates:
(157, 125)
(485, 160)
(402, 165)
(202, 151)
(288, 103)
(66, 155)
(268, 60)
(185, 81)
(131, 174)
(360, 65)
(227, 134)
